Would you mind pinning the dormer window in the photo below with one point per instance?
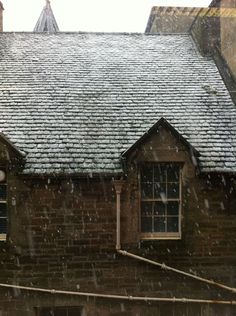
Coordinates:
(160, 201)
(3, 204)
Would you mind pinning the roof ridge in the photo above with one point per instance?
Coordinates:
(98, 33)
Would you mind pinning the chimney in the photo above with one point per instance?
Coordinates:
(1, 18)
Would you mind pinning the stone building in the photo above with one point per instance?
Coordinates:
(212, 28)
(117, 177)
(227, 32)
(171, 19)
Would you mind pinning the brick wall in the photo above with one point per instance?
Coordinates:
(62, 235)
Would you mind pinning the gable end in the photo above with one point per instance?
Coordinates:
(164, 123)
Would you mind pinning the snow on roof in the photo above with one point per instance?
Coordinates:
(75, 101)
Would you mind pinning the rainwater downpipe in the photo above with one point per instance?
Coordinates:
(118, 187)
(118, 184)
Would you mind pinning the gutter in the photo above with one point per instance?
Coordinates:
(118, 184)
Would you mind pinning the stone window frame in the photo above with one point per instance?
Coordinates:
(4, 201)
(161, 235)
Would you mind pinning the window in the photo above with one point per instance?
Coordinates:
(160, 200)
(59, 311)
(3, 204)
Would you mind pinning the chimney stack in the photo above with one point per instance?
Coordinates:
(1, 18)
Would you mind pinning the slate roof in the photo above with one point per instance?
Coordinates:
(75, 101)
(153, 130)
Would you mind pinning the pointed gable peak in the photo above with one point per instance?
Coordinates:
(46, 21)
(164, 123)
(6, 143)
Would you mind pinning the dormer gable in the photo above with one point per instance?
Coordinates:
(162, 142)
(11, 159)
(9, 153)
(162, 122)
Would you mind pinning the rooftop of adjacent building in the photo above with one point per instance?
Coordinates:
(187, 13)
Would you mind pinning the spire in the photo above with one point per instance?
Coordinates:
(46, 21)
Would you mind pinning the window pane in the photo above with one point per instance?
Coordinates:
(147, 174)
(3, 225)
(147, 190)
(172, 224)
(160, 183)
(160, 191)
(159, 224)
(2, 176)
(173, 190)
(146, 208)
(3, 192)
(3, 210)
(159, 208)
(173, 208)
(160, 173)
(146, 224)
(173, 173)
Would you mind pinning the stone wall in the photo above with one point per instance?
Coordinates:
(228, 36)
(171, 19)
(213, 30)
(206, 30)
(62, 235)
(214, 35)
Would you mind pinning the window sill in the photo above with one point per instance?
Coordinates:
(3, 237)
(150, 236)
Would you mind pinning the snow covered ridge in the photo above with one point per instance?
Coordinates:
(74, 102)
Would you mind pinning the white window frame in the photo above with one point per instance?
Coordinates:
(162, 235)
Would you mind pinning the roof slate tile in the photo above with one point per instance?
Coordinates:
(75, 101)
